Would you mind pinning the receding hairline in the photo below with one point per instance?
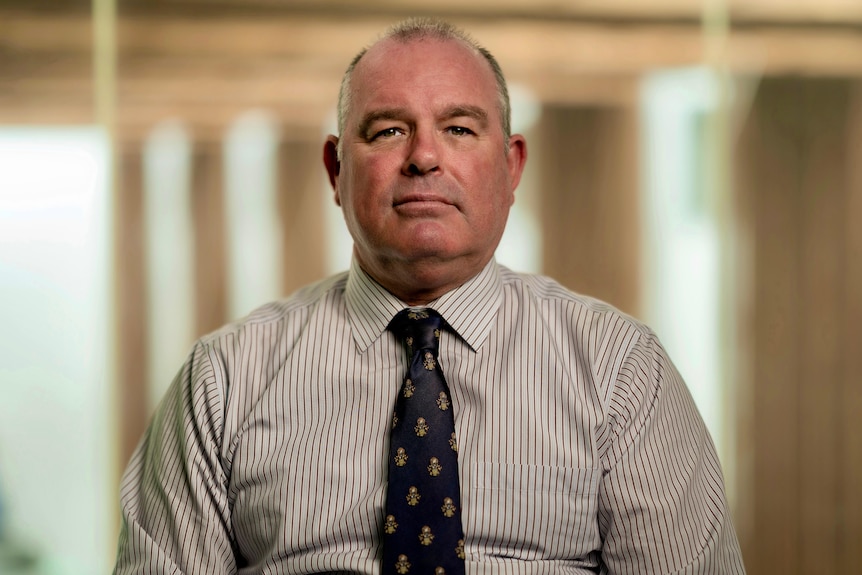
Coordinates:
(417, 29)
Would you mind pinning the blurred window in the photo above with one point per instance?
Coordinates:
(56, 438)
(253, 228)
(169, 232)
(681, 247)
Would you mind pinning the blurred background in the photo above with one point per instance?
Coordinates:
(698, 164)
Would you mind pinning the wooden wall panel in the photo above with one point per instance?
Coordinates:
(131, 297)
(851, 334)
(301, 187)
(793, 167)
(209, 221)
(820, 204)
(772, 177)
(590, 202)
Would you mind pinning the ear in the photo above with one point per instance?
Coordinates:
(333, 165)
(516, 158)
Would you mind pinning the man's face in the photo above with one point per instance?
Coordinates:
(425, 180)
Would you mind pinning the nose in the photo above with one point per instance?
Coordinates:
(424, 154)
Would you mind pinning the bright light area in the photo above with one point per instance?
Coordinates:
(169, 254)
(253, 227)
(56, 472)
(681, 251)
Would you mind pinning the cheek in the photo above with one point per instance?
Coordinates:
(494, 196)
(363, 199)
(369, 184)
(493, 208)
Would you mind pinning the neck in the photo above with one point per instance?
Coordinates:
(419, 283)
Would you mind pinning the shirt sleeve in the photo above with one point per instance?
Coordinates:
(173, 496)
(662, 506)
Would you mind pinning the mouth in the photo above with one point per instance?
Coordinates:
(421, 199)
(422, 206)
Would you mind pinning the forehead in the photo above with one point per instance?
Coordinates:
(423, 72)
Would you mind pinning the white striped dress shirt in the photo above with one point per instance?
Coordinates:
(580, 449)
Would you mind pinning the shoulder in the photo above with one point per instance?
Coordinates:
(275, 325)
(324, 292)
(589, 337)
(570, 310)
(229, 369)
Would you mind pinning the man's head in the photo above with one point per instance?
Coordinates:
(418, 28)
(424, 168)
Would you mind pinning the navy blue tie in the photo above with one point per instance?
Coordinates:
(422, 527)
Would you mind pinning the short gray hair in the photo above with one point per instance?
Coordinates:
(418, 28)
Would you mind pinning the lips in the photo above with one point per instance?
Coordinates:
(421, 198)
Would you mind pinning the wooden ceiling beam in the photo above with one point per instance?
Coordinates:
(210, 68)
(837, 13)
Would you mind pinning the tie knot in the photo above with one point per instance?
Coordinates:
(419, 328)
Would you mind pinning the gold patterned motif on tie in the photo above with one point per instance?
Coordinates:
(426, 537)
(403, 565)
(413, 496)
(453, 443)
(429, 362)
(409, 388)
(437, 333)
(434, 467)
(418, 314)
(459, 549)
(401, 457)
(443, 401)
(421, 427)
(390, 526)
(439, 571)
(448, 508)
(394, 420)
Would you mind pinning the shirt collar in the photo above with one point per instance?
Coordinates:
(469, 309)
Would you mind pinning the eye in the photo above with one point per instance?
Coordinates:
(459, 131)
(388, 133)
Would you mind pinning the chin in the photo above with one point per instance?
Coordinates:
(428, 253)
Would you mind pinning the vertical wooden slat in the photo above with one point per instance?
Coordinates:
(822, 109)
(851, 392)
(300, 186)
(771, 160)
(131, 300)
(590, 202)
(209, 233)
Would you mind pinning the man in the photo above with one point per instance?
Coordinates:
(578, 448)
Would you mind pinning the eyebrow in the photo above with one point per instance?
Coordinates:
(459, 111)
(377, 115)
(467, 111)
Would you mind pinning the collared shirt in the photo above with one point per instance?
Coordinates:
(580, 449)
